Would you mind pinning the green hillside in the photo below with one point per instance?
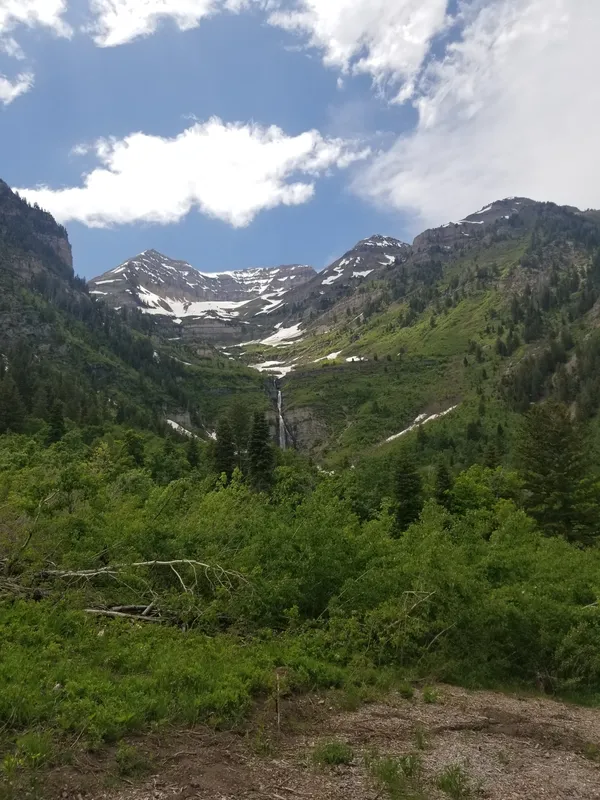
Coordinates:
(152, 582)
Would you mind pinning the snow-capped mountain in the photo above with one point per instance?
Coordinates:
(163, 286)
(366, 258)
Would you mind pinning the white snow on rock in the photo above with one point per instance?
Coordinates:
(422, 419)
(180, 429)
(283, 335)
(483, 210)
(332, 278)
(351, 359)
(362, 274)
(277, 368)
(330, 357)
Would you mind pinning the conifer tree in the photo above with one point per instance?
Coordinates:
(56, 421)
(239, 419)
(12, 410)
(134, 446)
(224, 449)
(551, 455)
(261, 461)
(443, 483)
(408, 490)
(193, 452)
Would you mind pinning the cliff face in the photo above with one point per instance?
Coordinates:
(31, 241)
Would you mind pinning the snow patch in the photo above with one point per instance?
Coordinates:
(362, 274)
(422, 419)
(180, 429)
(283, 335)
(330, 357)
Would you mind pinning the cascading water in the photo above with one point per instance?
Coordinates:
(282, 435)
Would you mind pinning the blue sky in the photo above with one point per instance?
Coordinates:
(236, 133)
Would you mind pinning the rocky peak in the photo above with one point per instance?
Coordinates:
(30, 239)
(168, 287)
(366, 258)
(476, 225)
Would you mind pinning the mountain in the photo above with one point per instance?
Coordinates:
(491, 312)
(475, 315)
(209, 306)
(243, 305)
(62, 350)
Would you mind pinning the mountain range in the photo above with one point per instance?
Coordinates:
(468, 324)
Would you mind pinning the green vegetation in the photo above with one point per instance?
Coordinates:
(333, 753)
(455, 782)
(400, 778)
(148, 579)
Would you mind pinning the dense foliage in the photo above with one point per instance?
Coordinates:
(238, 576)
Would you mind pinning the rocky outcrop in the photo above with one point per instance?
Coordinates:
(31, 241)
(305, 429)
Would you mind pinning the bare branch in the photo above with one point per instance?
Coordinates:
(120, 614)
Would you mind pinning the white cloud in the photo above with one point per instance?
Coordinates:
(512, 108)
(30, 14)
(10, 90)
(386, 39)
(121, 21)
(227, 171)
(34, 13)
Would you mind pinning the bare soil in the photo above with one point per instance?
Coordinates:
(511, 747)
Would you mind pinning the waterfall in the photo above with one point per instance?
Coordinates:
(282, 436)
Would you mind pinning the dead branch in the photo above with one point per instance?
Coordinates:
(41, 505)
(100, 612)
(224, 577)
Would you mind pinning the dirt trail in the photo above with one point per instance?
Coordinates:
(510, 747)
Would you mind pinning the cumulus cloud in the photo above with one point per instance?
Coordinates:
(11, 89)
(386, 39)
(227, 171)
(119, 21)
(511, 108)
(30, 14)
(34, 13)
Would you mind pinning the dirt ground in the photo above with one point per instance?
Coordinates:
(509, 746)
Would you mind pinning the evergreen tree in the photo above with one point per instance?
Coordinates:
(12, 410)
(56, 421)
(134, 447)
(261, 460)
(224, 448)
(193, 453)
(239, 419)
(443, 483)
(553, 465)
(408, 490)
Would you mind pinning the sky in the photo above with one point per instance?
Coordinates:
(241, 133)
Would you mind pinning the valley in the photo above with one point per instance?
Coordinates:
(362, 502)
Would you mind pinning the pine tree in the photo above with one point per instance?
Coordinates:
(224, 448)
(56, 422)
(261, 460)
(134, 446)
(193, 453)
(12, 410)
(553, 465)
(443, 483)
(408, 490)
(239, 419)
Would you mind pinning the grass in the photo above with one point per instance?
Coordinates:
(333, 753)
(430, 695)
(455, 782)
(399, 777)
